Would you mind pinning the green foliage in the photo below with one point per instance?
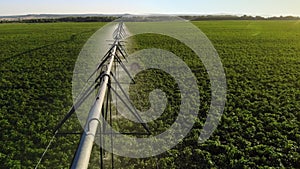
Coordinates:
(36, 65)
(259, 128)
(261, 60)
(260, 124)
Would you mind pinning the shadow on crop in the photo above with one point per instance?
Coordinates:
(72, 38)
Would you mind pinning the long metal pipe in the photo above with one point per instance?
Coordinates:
(83, 153)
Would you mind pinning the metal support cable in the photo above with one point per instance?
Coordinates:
(127, 97)
(79, 102)
(133, 112)
(44, 153)
(124, 68)
(111, 135)
(122, 53)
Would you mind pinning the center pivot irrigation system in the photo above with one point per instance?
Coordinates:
(101, 109)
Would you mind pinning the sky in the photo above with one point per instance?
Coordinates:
(238, 7)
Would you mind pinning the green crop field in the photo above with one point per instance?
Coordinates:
(259, 127)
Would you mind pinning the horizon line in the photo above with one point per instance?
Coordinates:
(174, 14)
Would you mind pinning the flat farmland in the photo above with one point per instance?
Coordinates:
(259, 127)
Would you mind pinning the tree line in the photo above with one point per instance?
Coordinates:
(234, 17)
(65, 19)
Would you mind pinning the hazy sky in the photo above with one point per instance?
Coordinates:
(250, 7)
